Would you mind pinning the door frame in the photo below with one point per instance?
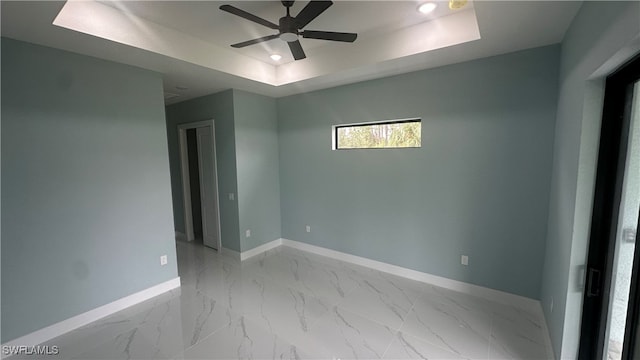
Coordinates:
(612, 155)
(186, 185)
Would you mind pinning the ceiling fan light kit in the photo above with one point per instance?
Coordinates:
(290, 28)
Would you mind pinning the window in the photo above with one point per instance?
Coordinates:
(378, 135)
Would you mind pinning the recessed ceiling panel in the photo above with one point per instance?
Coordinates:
(200, 33)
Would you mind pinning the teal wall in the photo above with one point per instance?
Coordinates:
(218, 107)
(599, 31)
(478, 186)
(247, 151)
(86, 211)
(256, 130)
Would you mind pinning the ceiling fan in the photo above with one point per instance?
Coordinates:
(290, 28)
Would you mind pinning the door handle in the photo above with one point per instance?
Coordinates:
(593, 283)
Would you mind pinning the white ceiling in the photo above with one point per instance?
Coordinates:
(188, 42)
(203, 20)
(119, 24)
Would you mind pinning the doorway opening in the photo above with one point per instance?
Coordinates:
(200, 183)
(194, 183)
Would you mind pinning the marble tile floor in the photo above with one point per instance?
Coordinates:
(287, 303)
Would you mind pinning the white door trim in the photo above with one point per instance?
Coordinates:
(186, 187)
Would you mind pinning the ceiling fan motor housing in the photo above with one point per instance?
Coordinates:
(288, 29)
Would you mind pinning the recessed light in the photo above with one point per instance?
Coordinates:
(427, 7)
(275, 57)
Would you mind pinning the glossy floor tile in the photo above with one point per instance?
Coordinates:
(289, 304)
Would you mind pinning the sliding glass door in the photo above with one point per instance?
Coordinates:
(625, 238)
(610, 309)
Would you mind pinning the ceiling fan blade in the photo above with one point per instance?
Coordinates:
(330, 35)
(311, 11)
(243, 14)
(255, 41)
(296, 50)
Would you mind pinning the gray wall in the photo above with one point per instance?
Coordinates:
(247, 151)
(256, 130)
(599, 31)
(478, 186)
(220, 108)
(86, 211)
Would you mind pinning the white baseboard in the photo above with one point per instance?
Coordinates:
(455, 285)
(260, 249)
(479, 291)
(252, 252)
(62, 327)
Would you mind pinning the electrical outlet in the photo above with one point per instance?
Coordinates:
(308, 228)
(163, 260)
(464, 260)
(247, 233)
(232, 196)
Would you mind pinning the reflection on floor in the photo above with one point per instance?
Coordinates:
(291, 304)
